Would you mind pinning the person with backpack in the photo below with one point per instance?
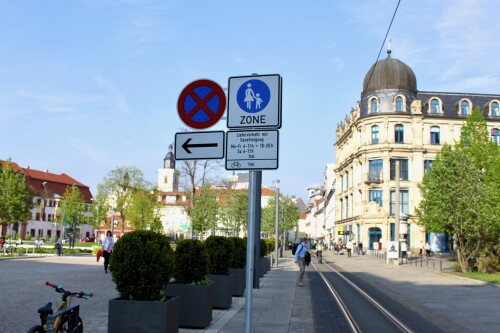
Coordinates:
(300, 258)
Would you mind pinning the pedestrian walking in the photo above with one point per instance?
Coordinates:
(58, 247)
(107, 249)
(300, 260)
(360, 248)
(349, 248)
(427, 249)
(421, 248)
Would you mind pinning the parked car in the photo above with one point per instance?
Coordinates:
(89, 239)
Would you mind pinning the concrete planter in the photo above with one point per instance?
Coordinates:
(223, 290)
(239, 281)
(262, 267)
(267, 263)
(126, 316)
(195, 303)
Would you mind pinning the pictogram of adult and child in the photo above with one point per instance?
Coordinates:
(253, 96)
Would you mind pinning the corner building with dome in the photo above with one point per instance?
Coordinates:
(395, 121)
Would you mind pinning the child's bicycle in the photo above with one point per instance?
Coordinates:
(66, 319)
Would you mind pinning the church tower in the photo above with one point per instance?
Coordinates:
(168, 176)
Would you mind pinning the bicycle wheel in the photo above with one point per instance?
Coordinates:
(64, 326)
(36, 329)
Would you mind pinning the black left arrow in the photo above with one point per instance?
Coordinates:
(186, 145)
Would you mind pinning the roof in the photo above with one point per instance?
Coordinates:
(390, 73)
(55, 183)
(266, 192)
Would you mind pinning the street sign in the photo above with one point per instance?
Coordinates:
(199, 145)
(252, 150)
(201, 104)
(254, 101)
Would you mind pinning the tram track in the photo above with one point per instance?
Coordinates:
(361, 311)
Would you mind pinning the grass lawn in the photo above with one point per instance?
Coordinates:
(494, 278)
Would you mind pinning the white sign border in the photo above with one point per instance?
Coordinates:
(204, 158)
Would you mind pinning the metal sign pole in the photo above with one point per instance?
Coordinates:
(276, 227)
(256, 250)
(252, 205)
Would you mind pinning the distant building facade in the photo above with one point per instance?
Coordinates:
(394, 121)
(48, 188)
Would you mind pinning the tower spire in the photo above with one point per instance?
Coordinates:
(389, 48)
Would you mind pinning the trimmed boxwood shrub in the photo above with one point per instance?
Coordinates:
(190, 262)
(240, 252)
(263, 248)
(220, 254)
(270, 245)
(141, 265)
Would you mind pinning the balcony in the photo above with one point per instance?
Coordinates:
(374, 177)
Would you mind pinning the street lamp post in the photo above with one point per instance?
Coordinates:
(276, 226)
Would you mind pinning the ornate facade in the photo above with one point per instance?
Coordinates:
(394, 121)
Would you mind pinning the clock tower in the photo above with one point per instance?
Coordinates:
(168, 176)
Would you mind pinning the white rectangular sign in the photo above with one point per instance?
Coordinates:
(254, 101)
(252, 150)
(392, 250)
(199, 145)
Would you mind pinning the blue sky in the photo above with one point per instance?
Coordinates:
(88, 85)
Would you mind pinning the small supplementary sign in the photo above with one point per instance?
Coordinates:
(201, 104)
(252, 150)
(392, 250)
(199, 145)
(254, 101)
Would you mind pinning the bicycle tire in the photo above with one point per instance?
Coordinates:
(36, 329)
(63, 326)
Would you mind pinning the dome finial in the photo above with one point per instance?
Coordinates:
(389, 48)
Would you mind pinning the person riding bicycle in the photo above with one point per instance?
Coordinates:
(319, 249)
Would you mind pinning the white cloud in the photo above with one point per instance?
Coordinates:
(116, 95)
(65, 102)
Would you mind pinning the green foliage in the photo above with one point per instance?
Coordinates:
(460, 192)
(220, 254)
(270, 245)
(234, 212)
(16, 198)
(141, 264)
(205, 210)
(95, 249)
(190, 262)
(143, 211)
(99, 210)
(288, 215)
(240, 252)
(28, 237)
(263, 248)
(489, 260)
(119, 185)
(72, 207)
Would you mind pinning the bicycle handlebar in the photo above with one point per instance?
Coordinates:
(60, 289)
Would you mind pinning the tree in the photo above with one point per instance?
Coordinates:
(205, 211)
(99, 210)
(288, 215)
(142, 211)
(16, 198)
(459, 192)
(72, 209)
(118, 186)
(234, 212)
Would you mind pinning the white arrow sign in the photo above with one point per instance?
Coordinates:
(199, 145)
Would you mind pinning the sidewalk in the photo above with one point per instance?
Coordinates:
(472, 304)
(279, 305)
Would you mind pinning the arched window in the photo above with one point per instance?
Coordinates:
(374, 134)
(399, 104)
(373, 105)
(435, 139)
(465, 107)
(435, 106)
(495, 136)
(399, 133)
(495, 109)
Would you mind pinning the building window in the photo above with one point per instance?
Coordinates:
(375, 170)
(495, 136)
(393, 231)
(465, 107)
(374, 134)
(399, 104)
(435, 106)
(341, 209)
(427, 165)
(495, 109)
(37, 217)
(373, 105)
(404, 201)
(435, 139)
(346, 207)
(399, 134)
(403, 169)
(347, 180)
(376, 196)
(341, 183)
